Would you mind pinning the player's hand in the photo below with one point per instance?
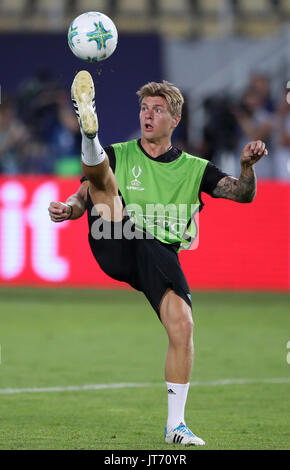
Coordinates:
(252, 153)
(58, 211)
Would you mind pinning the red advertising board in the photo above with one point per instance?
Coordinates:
(241, 246)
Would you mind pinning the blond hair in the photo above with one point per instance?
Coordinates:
(168, 91)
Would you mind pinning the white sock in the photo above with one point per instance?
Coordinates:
(92, 151)
(177, 396)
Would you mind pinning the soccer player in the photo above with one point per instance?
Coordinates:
(141, 197)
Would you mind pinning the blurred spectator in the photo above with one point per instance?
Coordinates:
(13, 139)
(65, 142)
(38, 101)
(55, 144)
(260, 85)
(230, 125)
(220, 131)
(255, 123)
(282, 140)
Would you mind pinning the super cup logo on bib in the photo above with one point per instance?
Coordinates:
(136, 174)
(135, 183)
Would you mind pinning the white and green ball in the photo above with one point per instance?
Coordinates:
(92, 36)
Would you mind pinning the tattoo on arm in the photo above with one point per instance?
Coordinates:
(239, 190)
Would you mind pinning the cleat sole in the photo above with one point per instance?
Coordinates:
(83, 92)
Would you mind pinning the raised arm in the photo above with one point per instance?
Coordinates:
(73, 208)
(243, 189)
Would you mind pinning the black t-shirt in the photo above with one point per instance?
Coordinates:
(212, 175)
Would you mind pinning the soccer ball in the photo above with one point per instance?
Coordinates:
(92, 36)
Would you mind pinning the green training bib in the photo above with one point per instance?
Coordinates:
(162, 199)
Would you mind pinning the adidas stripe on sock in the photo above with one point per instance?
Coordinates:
(177, 396)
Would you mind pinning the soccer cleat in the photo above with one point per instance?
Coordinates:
(83, 98)
(182, 435)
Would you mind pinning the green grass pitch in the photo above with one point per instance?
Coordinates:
(69, 337)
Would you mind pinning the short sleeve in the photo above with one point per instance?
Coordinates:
(112, 157)
(212, 175)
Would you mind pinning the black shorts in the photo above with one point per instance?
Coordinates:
(145, 264)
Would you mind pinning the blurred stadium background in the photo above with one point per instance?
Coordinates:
(231, 59)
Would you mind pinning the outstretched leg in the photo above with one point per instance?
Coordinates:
(95, 163)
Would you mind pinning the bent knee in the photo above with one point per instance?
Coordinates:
(185, 323)
(180, 325)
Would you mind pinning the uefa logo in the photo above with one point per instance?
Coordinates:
(136, 173)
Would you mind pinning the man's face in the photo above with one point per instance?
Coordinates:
(155, 118)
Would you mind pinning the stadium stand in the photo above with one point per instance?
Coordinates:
(182, 18)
